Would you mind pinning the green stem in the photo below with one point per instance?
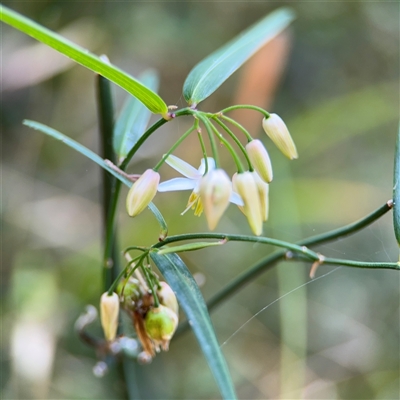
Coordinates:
(236, 140)
(349, 229)
(240, 238)
(176, 144)
(246, 106)
(360, 264)
(235, 123)
(140, 142)
(106, 122)
(268, 262)
(350, 263)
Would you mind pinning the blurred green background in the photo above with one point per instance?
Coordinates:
(333, 77)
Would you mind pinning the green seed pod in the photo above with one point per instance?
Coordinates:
(167, 297)
(160, 325)
(128, 292)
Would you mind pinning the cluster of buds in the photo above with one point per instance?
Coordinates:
(154, 326)
(212, 191)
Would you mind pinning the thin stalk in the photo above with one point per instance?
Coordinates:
(347, 230)
(151, 285)
(143, 249)
(239, 126)
(214, 150)
(122, 273)
(106, 122)
(203, 149)
(235, 157)
(236, 140)
(175, 145)
(246, 106)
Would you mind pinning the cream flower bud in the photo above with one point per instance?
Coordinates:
(109, 309)
(215, 192)
(142, 192)
(245, 185)
(260, 159)
(167, 297)
(160, 325)
(278, 132)
(263, 191)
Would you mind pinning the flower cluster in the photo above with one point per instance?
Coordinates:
(212, 190)
(154, 325)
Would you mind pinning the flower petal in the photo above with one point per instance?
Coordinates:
(182, 167)
(177, 184)
(236, 199)
(202, 168)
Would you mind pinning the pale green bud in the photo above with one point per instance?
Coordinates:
(215, 191)
(260, 159)
(167, 297)
(109, 310)
(142, 192)
(160, 325)
(245, 185)
(278, 132)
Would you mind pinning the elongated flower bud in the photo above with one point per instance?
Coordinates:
(260, 159)
(245, 185)
(263, 193)
(215, 191)
(142, 192)
(109, 309)
(167, 297)
(160, 325)
(277, 130)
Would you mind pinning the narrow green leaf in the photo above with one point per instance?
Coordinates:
(209, 74)
(89, 60)
(133, 119)
(98, 160)
(396, 190)
(191, 300)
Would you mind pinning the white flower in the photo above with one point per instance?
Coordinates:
(191, 181)
(215, 192)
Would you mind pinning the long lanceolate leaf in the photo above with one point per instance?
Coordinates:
(191, 300)
(210, 73)
(133, 119)
(89, 60)
(97, 159)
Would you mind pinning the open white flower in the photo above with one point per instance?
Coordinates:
(191, 181)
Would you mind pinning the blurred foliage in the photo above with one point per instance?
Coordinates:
(339, 97)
